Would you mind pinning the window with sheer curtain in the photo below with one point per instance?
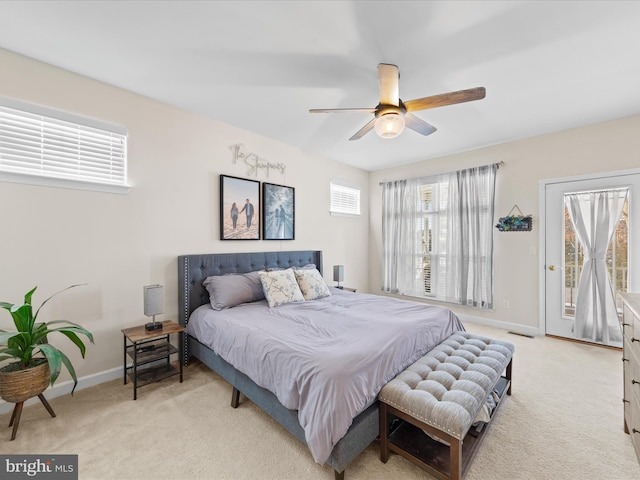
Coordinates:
(438, 237)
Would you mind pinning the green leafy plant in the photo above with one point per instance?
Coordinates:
(29, 345)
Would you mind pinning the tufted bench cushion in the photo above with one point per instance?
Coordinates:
(448, 386)
(443, 392)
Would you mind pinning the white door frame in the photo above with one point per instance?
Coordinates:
(542, 232)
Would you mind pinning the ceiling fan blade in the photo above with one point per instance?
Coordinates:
(444, 99)
(418, 125)
(360, 133)
(342, 110)
(388, 82)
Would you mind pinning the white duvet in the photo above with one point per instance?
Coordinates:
(326, 358)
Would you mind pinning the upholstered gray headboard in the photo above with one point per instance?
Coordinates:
(193, 269)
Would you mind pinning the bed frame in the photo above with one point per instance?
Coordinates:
(192, 270)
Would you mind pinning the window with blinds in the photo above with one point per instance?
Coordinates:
(344, 200)
(44, 146)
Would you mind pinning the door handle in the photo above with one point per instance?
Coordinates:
(552, 268)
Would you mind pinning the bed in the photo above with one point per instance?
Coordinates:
(340, 418)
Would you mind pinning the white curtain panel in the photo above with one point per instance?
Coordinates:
(400, 238)
(594, 216)
(463, 237)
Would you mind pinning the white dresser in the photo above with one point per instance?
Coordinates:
(631, 362)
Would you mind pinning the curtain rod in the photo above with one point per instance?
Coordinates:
(498, 165)
(621, 189)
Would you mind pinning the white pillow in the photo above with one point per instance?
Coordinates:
(280, 287)
(311, 283)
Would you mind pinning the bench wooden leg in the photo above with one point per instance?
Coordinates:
(384, 433)
(455, 457)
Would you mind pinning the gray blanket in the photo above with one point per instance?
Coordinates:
(326, 358)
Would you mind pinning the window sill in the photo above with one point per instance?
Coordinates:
(341, 214)
(63, 183)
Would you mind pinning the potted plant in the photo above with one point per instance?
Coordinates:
(34, 356)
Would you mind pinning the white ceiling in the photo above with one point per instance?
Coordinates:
(546, 65)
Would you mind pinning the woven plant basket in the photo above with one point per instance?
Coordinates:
(20, 385)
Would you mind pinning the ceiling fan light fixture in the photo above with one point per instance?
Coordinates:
(389, 125)
(392, 115)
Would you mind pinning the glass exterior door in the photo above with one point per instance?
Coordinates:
(565, 256)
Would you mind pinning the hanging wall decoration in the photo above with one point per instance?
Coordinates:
(253, 162)
(515, 222)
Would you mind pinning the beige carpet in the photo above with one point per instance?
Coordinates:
(563, 421)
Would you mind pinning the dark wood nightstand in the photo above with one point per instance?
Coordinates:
(150, 354)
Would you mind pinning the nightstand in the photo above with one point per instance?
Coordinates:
(150, 354)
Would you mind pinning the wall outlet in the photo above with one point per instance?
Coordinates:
(505, 304)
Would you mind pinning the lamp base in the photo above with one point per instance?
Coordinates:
(152, 326)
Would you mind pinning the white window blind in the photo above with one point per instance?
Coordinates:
(344, 200)
(43, 143)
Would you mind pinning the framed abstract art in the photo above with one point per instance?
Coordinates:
(278, 212)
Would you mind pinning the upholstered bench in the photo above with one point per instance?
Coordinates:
(428, 410)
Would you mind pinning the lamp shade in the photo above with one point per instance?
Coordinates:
(389, 125)
(153, 300)
(338, 273)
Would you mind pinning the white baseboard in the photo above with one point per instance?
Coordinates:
(511, 327)
(64, 388)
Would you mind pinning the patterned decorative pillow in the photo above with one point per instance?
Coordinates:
(226, 291)
(311, 283)
(280, 287)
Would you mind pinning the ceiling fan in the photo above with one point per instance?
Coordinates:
(392, 114)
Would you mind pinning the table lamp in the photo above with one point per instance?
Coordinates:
(153, 303)
(338, 274)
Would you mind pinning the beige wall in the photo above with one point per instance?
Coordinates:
(609, 146)
(117, 243)
(54, 237)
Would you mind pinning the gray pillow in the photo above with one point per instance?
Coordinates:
(226, 291)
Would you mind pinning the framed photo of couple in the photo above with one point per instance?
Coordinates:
(239, 208)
